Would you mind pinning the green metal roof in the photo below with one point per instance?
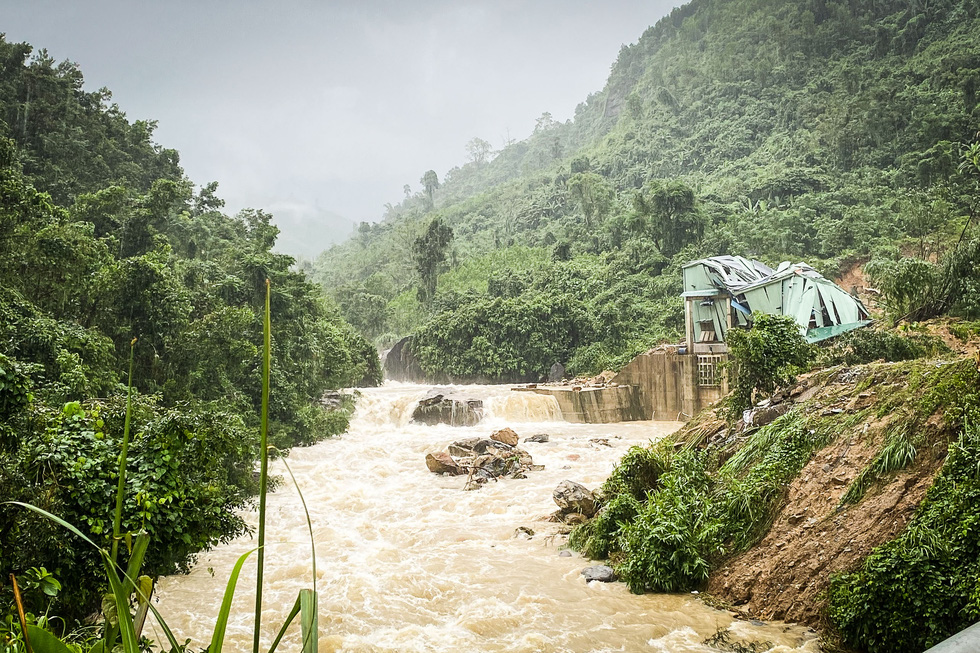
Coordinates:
(822, 333)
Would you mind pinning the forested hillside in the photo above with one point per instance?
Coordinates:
(105, 246)
(831, 132)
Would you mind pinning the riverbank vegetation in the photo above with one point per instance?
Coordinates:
(103, 240)
(832, 495)
(835, 133)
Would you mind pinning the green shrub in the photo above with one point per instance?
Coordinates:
(672, 514)
(866, 345)
(668, 545)
(189, 475)
(764, 357)
(639, 471)
(597, 538)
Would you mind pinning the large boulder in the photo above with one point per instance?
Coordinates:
(442, 463)
(399, 363)
(507, 436)
(446, 406)
(573, 497)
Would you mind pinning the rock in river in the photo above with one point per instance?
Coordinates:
(446, 406)
(601, 573)
(574, 497)
(442, 463)
(507, 436)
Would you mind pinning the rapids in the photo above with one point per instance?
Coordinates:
(408, 561)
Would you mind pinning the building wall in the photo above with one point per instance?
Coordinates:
(670, 384)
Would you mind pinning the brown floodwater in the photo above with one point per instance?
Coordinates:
(408, 561)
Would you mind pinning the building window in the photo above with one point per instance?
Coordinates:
(709, 374)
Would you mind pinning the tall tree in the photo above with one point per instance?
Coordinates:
(479, 150)
(430, 182)
(428, 252)
(668, 213)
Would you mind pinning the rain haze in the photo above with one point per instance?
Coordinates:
(321, 111)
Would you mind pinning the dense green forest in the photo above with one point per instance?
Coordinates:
(831, 132)
(103, 241)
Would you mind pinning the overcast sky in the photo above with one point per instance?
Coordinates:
(311, 108)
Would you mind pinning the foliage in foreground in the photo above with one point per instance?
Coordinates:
(103, 239)
(121, 627)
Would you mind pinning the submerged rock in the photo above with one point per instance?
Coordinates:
(574, 497)
(601, 573)
(445, 406)
(537, 437)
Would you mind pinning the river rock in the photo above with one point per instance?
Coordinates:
(574, 497)
(445, 406)
(575, 518)
(400, 363)
(465, 447)
(507, 436)
(478, 447)
(442, 463)
(601, 573)
(537, 437)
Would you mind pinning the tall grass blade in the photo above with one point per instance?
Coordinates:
(264, 470)
(308, 620)
(218, 636)
(309, 522)
(136, 561)
(285, 625)
(121, 489)
(126, 630)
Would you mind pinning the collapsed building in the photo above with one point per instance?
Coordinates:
(723, 291)
(673, 382)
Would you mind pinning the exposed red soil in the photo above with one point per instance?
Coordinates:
(786, 575)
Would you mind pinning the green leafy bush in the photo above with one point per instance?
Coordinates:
(668, 545)
(189, 475)
(867, 345)
(670, 516)
(639, 471)
(766, 356)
